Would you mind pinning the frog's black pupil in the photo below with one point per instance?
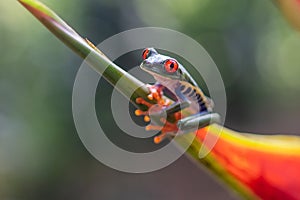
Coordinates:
(172, 65)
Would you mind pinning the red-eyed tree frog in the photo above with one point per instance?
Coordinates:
(176, 83)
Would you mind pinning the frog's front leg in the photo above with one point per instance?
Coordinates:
(158, 111)
(198, 121)
(155, 93)
(169, 110)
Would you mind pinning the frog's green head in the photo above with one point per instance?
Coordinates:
(161, 66)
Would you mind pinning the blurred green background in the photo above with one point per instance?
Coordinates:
(41, 155)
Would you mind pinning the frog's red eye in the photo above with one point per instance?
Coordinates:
(171, 65)
(146, 54)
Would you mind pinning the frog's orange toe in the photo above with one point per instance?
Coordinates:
(157, 139)
(140, 112)
(147, 118)
(140, 100)
(157, 96)
(151, 127)
(150, 97)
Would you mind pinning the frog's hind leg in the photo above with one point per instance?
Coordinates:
(198, 121)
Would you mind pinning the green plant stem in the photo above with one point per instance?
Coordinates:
(97, 60)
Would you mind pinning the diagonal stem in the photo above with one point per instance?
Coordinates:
(94, 57)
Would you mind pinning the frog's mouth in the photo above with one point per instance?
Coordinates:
(148, 68)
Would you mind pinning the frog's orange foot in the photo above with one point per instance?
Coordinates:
(140, 100)
(155, 108)
(145, 113)
(168, 129)
(156, 111)
(156, 92)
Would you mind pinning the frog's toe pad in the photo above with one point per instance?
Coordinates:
(158, 139)
(147, 118)
(140, 112)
